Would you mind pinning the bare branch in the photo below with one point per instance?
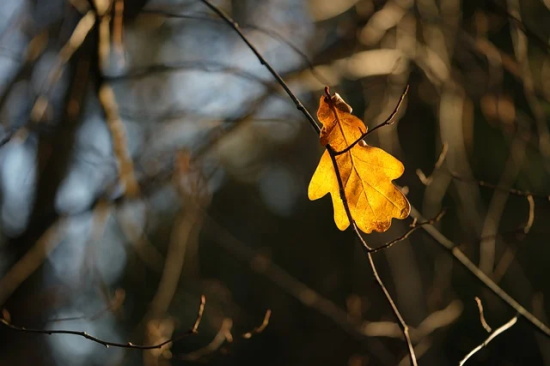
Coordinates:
(194, 330)
(482, 277)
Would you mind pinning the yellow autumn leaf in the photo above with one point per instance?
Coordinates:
(366, 172)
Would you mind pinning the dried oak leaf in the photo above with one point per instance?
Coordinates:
(366, 172)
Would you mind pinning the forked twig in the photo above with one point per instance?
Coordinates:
(415, 226)
(389, 121)
(194, 330)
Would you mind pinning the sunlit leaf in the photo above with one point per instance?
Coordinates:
(366, 172)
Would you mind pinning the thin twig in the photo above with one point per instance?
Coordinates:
(262, 265)
(387, 122)
(202, 304)
(415, 226)
(492, 336)
(259, 328)
(482, 320)
(233, 24)
(531, 217)
(269, 32)
(480, 275)
(442, 155)
(343, 197)
(193, 330)
(223, 335)
(512, 191)
(402, 324)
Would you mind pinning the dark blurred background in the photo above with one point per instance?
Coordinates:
(147, 157)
